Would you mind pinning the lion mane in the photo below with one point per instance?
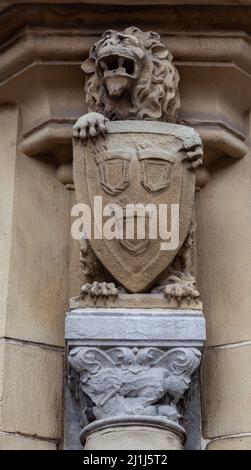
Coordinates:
(155, 94)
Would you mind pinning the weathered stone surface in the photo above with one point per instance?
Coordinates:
(8, 136)
(191, 421)
(119, 65)
(126, 381)
(135, 301)
(38, 279)
(133, 161)
(133, 438)
(7, 3)
(15, 442)
(215, 92)
(136, 264)
(124, 371)
(226, 382)
(77, 277)
(224, 240)
(59, 61)
(31, 390)
(231, 443)
(35, 228)
(159, 327)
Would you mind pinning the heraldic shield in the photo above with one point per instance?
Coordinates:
(137, 162)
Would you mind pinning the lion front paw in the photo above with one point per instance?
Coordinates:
(182, 290)
(194, 156)
(89, 126)
(100, 289)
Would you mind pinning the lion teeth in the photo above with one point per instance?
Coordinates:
(103, 65)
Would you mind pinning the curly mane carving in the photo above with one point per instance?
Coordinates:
(130, 75)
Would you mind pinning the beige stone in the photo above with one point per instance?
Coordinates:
(133, 438)
(224, 240)
(40, 73)
(15, 442)
(136, 301)
(35, 223)
(197, 58)
(226, 384)
(231, 443)
(38, 268)
(31, 390)
(8, 136)
(141, 161)
(137, 264)
(111, 88)
(76, 277)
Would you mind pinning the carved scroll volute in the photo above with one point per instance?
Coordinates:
(134, 381)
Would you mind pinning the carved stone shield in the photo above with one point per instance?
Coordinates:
(138, 162)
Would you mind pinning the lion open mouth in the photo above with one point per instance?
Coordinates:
(119, 72)
(115, 64)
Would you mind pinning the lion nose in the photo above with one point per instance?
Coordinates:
(110, 42)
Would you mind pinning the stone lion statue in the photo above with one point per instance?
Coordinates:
(129, 75)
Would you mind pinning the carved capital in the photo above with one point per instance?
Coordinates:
(122, 381)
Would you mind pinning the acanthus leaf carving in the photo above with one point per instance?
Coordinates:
(126, 381)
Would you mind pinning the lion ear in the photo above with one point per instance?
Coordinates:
(88, 66)
(161, 52)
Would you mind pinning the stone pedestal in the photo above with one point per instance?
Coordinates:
(130, 433)
(130, 370)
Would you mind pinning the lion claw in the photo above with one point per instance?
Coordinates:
(194, 156)
(90, 125)
(100, 289)
(181, 290)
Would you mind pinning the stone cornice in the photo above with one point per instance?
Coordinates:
(51, 133)
(48, 54)
(35, 51)
(9, 3)
(36, 45)
(193, 16)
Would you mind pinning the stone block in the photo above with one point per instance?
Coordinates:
(8, 135)
(133, 438)
(231, 443)
(226, 384)
(136, 301)
(224, 239)
(38, 277)
(31, 390)
(158, 327)
(15, 442)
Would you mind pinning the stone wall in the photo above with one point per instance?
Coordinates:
(34, 295)
(224, 248)
(41, 96)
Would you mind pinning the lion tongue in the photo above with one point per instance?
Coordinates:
(116, 85)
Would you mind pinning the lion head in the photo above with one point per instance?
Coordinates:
(130, 75)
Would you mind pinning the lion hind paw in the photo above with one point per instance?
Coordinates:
(182, 290)
(100, 289)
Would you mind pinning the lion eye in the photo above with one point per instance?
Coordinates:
(127, 40)
(130, 41)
